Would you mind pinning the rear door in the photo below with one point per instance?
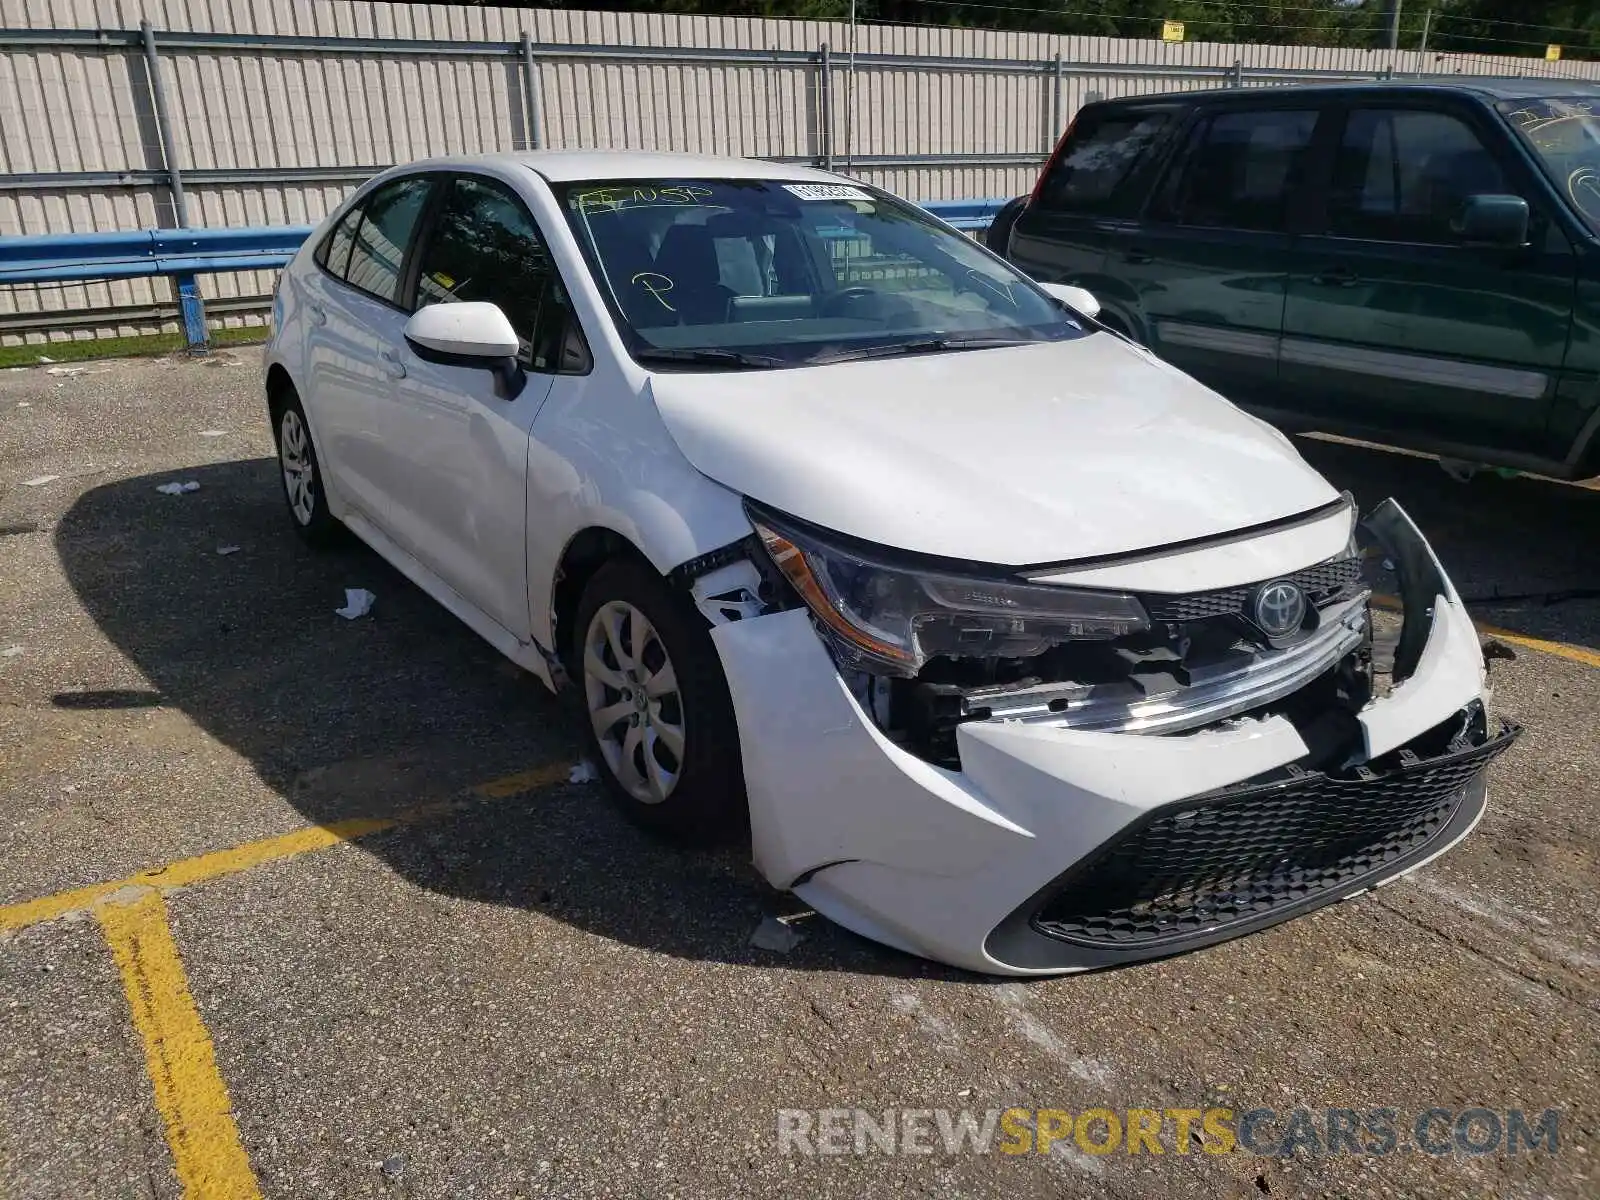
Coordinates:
(1207, 263)
(356, 321)
(1391, 322)
(1092, 179)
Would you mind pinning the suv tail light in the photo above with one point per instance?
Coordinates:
(1050, 162)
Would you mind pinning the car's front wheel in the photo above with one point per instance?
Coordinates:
(659, 718)
(302, 475)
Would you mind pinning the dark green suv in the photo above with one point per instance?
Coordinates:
(1412, 262)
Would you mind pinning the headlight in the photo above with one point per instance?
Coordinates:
(891, 619)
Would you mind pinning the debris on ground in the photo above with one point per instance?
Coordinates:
(73, 372)
(1459, 470)
(10, 652)
(45, 358)
(776, 935)
(213, 433)
(357, 603)
(40, 481)
(24, 403)
(584, 772)
(177, 489)
(393, 1167)
(1495, 648)
(227, 550)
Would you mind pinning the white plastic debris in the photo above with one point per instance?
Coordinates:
(24, 403)
(1457, 469)
(227, 550)
(40, 481)
(71, 372)
(213, 433)
(45, 358)
(775, 935)
(10, 652)
(357, 603)
(177, 489)
(584, 772)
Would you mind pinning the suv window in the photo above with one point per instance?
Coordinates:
(1100, 152)
(1238, 170)
(388, 220)
(484, 245)
(1404, 175)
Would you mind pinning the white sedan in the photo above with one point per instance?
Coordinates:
(1005, 643)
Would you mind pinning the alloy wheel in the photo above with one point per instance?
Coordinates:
(299, 468)
(634, 702)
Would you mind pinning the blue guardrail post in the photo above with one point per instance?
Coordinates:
(193, 310)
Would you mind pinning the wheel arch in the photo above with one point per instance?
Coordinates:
(585, 553)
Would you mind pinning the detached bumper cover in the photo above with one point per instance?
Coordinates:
(1056, 849)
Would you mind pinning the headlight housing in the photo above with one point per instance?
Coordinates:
(890, 618)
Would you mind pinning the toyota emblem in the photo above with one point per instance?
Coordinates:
(1280, 608)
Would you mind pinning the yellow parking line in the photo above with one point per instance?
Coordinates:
(193, 1100)
(201, 867)
(1577, 654)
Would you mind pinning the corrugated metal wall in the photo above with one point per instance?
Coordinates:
(285, 131)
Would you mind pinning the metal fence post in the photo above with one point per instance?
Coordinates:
(186, 287)
(1055, 108)
(1238, 72)
(825, 103)
(530, 89)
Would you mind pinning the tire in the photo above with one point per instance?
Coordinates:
(301, 473)
(670, 760)
(998, 236)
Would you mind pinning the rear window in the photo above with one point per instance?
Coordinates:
(1099, 154)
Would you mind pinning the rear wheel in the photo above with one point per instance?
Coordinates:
(660, 721)
(998, 236)
(302, 476)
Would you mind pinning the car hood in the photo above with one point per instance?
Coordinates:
(1023, 455)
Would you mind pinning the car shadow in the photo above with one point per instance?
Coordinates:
(1519, 549)
(368, 717)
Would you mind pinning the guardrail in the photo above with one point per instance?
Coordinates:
(185, 254)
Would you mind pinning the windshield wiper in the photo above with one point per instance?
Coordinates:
(932, 345)
(706, 357)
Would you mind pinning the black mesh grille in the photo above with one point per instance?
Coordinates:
(1243, 853)
(1321, 582)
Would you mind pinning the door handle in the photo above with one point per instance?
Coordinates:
(1336, 277)
(1136, 254)
(392, 366)
(319, 315)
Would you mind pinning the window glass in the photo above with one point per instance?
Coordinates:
(388, 218)
(1239, 170)
(485, 246)
(1404, 176)
(761, 272)
(1101, 151)
(334, 253)
(1564, 134)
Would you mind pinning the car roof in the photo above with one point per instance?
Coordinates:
(565, 166)
(1488, 86)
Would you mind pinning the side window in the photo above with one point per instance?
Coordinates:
(485, 246)
(1099, 154)
(334, 253)
(1404, 175)
(389, 218)
(1238, 171)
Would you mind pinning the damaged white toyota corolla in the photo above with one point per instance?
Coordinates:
(1015, 647)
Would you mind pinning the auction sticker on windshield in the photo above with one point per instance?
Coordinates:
(825, 191)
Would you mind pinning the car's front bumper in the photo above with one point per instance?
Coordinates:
(1054, 849)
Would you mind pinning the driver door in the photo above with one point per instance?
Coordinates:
(460, 432)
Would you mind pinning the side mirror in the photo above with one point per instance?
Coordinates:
(1076, 298)
(1500, 221)
(472, 333)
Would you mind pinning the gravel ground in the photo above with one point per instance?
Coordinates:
(530, 998)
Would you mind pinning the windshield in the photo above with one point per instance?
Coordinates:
(1565, 137)
(766, 273)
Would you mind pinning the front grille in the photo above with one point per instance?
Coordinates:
(1201, 865)
(1322, 583)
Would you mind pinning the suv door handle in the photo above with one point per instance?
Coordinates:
(1336, 277)
(392, 366)
(319, 315)
(1137, 254)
